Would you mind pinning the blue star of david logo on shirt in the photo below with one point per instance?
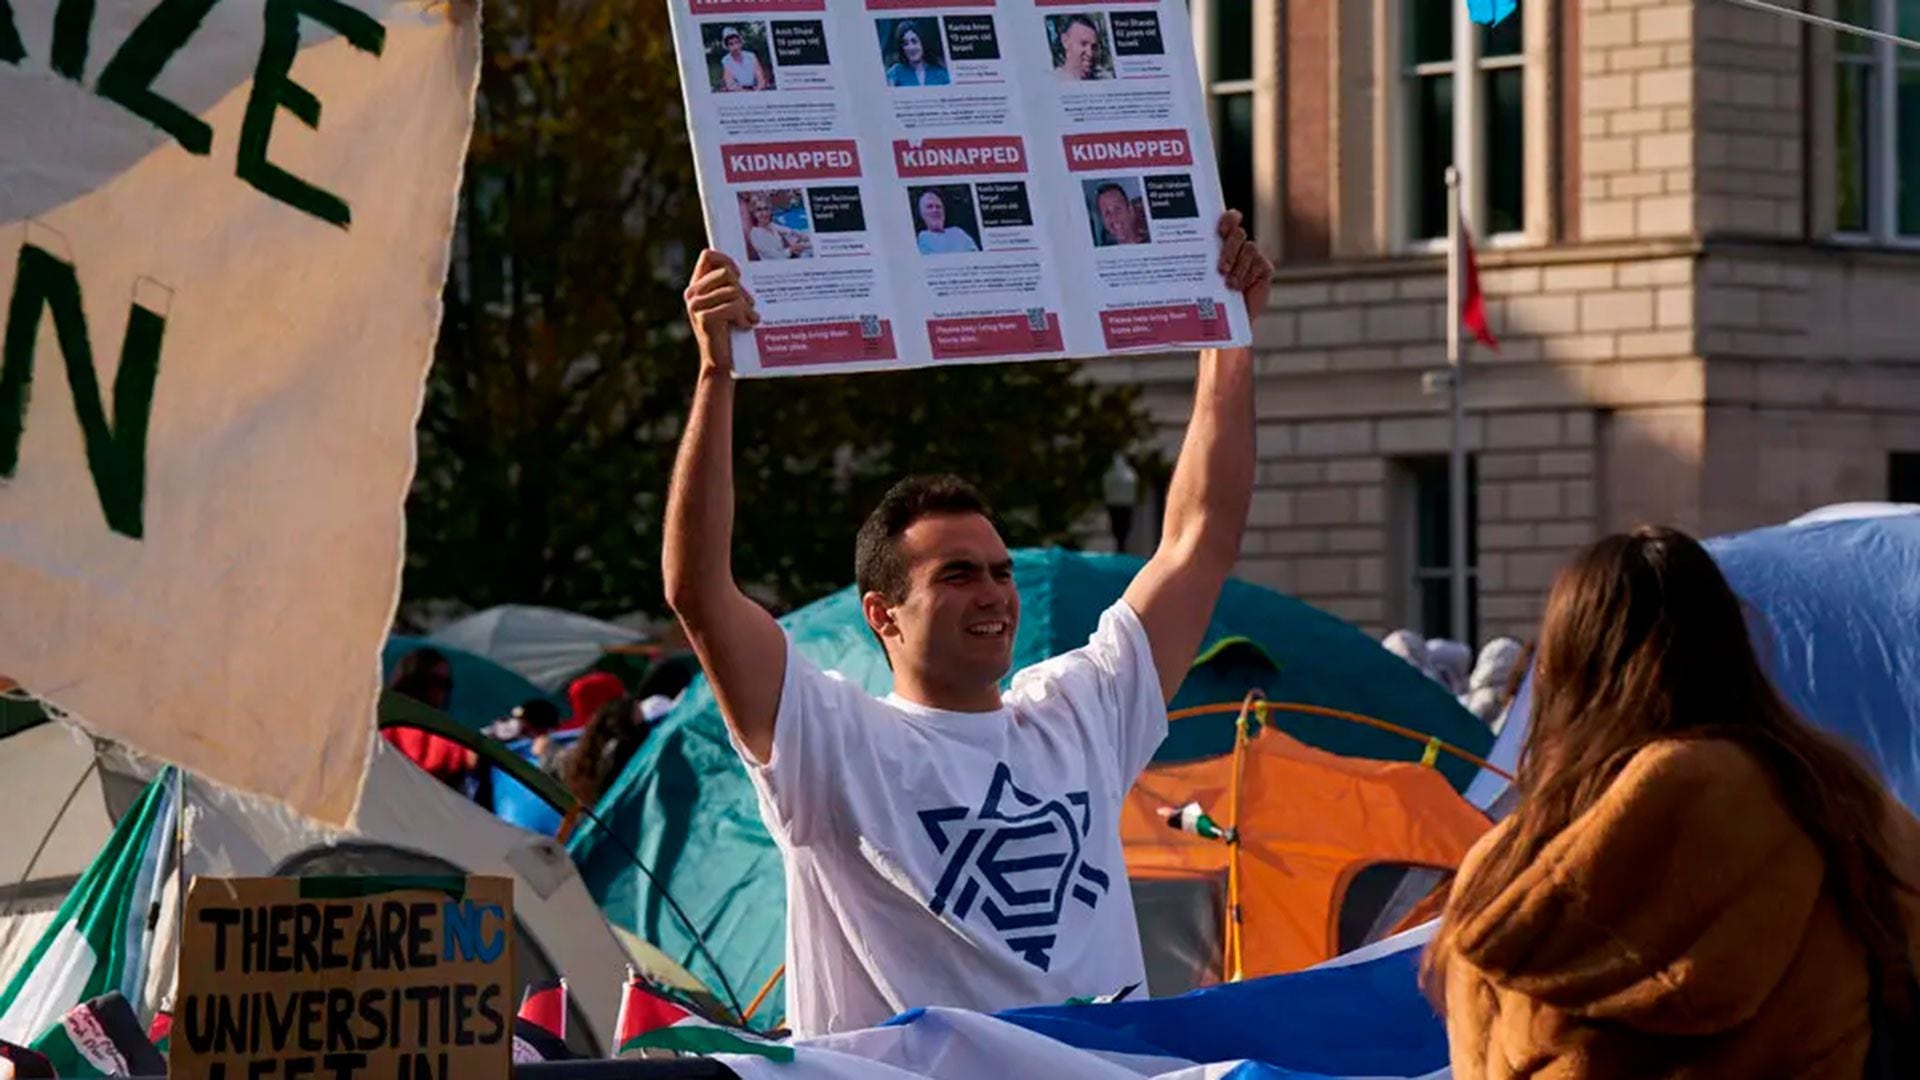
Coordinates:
(1018, 857)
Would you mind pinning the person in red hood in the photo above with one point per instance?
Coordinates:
(588, 693)
(425, 676)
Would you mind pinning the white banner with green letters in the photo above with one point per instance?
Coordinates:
(224, 225)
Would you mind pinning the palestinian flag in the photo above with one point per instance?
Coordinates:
(533, 1043)
(650, 1021)
(545, 1003)
(540, 1031)
(160, 1032)
(20, 1063)
(102, 1038)
(98, 941)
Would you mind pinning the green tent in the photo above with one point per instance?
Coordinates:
(684, 808)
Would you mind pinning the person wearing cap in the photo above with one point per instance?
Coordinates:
(739, 69)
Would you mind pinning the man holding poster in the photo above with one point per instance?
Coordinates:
(953, 844)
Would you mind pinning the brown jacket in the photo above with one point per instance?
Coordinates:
(1681, 927)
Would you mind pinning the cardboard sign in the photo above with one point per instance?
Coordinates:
(381, 978)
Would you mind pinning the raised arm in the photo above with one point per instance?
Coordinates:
(1207, 502)
(738, 643)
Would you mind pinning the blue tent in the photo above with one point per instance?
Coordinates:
(1836, 618)
(684, 807)
(483, 691)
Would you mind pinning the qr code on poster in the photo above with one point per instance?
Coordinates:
(870, 327)
(1037, 320)
(1208, 312)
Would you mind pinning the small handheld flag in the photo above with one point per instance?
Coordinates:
(160, 1032)
(649, 1021)
(545, 1003)
(1191, 818)
(1490, 12)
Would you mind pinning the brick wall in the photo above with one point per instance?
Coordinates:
(1748, 122)
(1637, 98)
(1341, 354)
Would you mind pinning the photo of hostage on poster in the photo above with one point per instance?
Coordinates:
(739, 60)
(1116, 211)
(944, 220)
(1082, 50)
(777, 225)
(913, 51)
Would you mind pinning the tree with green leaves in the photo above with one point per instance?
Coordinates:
(564, 364)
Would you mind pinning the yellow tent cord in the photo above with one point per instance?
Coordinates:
(1432, 753)
(1352, 717)
(759, 998)
(1234, 963)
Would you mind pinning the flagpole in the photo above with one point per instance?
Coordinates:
(1457, 426)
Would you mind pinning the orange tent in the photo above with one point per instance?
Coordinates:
(1310, 823)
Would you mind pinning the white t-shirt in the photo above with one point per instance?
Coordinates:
(967, 859)
(768, 243)
(745, 70)
(951, 240)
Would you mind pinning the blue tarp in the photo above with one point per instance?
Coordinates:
(1364, 1018)
(1836, 613)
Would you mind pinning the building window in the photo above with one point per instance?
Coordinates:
(1427, 534)
(1876, 123)
(1903, 477)
(1441, 51)
(1224, 34)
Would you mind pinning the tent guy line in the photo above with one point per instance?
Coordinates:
(1831, 24)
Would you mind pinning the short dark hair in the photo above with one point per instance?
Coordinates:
(1113, 187)
(877, 566)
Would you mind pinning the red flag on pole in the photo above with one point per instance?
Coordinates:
(1473, 304)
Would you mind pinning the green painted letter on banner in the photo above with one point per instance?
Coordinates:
(128, 77)
(274, 89)
(116, 452)
(12, 50)
(72, 27)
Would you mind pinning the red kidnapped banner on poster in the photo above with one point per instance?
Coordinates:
(1168, 324)
(973, 156)
(824, 159)
(1127, 150)
(823, 343)
(918, 5)
(992, 335)
(750, 7)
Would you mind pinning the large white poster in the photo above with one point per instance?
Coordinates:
(913, 182)
(223, 230)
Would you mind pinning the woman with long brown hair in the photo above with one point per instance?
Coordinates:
(1694, 881)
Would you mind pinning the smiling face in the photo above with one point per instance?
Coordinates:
(762, 212)
(933, 211)
(1116, 213)
(1078, 44)
(910, 48)
(950, 637)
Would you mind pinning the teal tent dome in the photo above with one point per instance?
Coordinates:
(684, 806)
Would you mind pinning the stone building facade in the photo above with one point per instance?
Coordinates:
(1703, 267)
